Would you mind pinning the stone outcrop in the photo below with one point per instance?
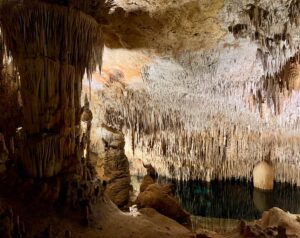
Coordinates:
(149, 178)
(112, 165)
(274, 223)
(160, 198)
(263, 176)
(208, 112)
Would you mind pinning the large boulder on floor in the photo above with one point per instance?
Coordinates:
(263, 176)
(274, 223)
(160, 198)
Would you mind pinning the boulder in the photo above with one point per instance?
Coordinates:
(160, 198)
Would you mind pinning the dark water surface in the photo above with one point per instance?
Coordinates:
(234, 199)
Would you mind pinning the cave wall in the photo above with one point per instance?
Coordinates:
(198, 116)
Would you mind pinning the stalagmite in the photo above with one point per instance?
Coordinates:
(263, 176)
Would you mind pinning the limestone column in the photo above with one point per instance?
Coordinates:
(52, 46)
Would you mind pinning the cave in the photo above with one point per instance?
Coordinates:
(149, 118)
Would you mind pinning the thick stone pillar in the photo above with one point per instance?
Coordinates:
(52, 46)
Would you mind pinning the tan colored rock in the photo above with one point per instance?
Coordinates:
(263, 176)
(274, 223)
(161, 199)
(115, 167)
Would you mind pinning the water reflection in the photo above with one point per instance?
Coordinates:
(263, 200)
(235, 200)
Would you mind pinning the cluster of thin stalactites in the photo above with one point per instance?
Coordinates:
(46, 24)
(222, 150)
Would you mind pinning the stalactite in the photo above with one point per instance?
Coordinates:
(223, 150)
(52, 46)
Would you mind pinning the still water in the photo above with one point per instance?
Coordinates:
(218, 206)
(230, 199)
(234, 199)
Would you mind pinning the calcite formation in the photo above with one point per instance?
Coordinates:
(160, 197)
(218, 93)
(51, 46)
(263, 176)
(221, 149)
(164, 26)
(112, 164)
(214, 112)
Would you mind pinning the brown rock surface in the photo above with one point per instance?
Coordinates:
(113, 166)
(160, 198)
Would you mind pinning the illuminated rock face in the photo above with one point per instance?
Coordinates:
(111, 164)
(263, 176)
(217, 149)
(209, 111)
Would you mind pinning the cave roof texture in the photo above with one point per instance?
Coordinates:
(234, 61)
(209, 60)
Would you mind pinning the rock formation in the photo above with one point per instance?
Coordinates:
(274, 223)
(217, 111)
(160, 197)
(51, 65)
(213, 92)
(112, 165)
(263, 176)
(219, 151)
(51, 44)
(149, 178)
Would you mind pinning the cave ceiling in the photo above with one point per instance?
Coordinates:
(205, 59)
(209, 60)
